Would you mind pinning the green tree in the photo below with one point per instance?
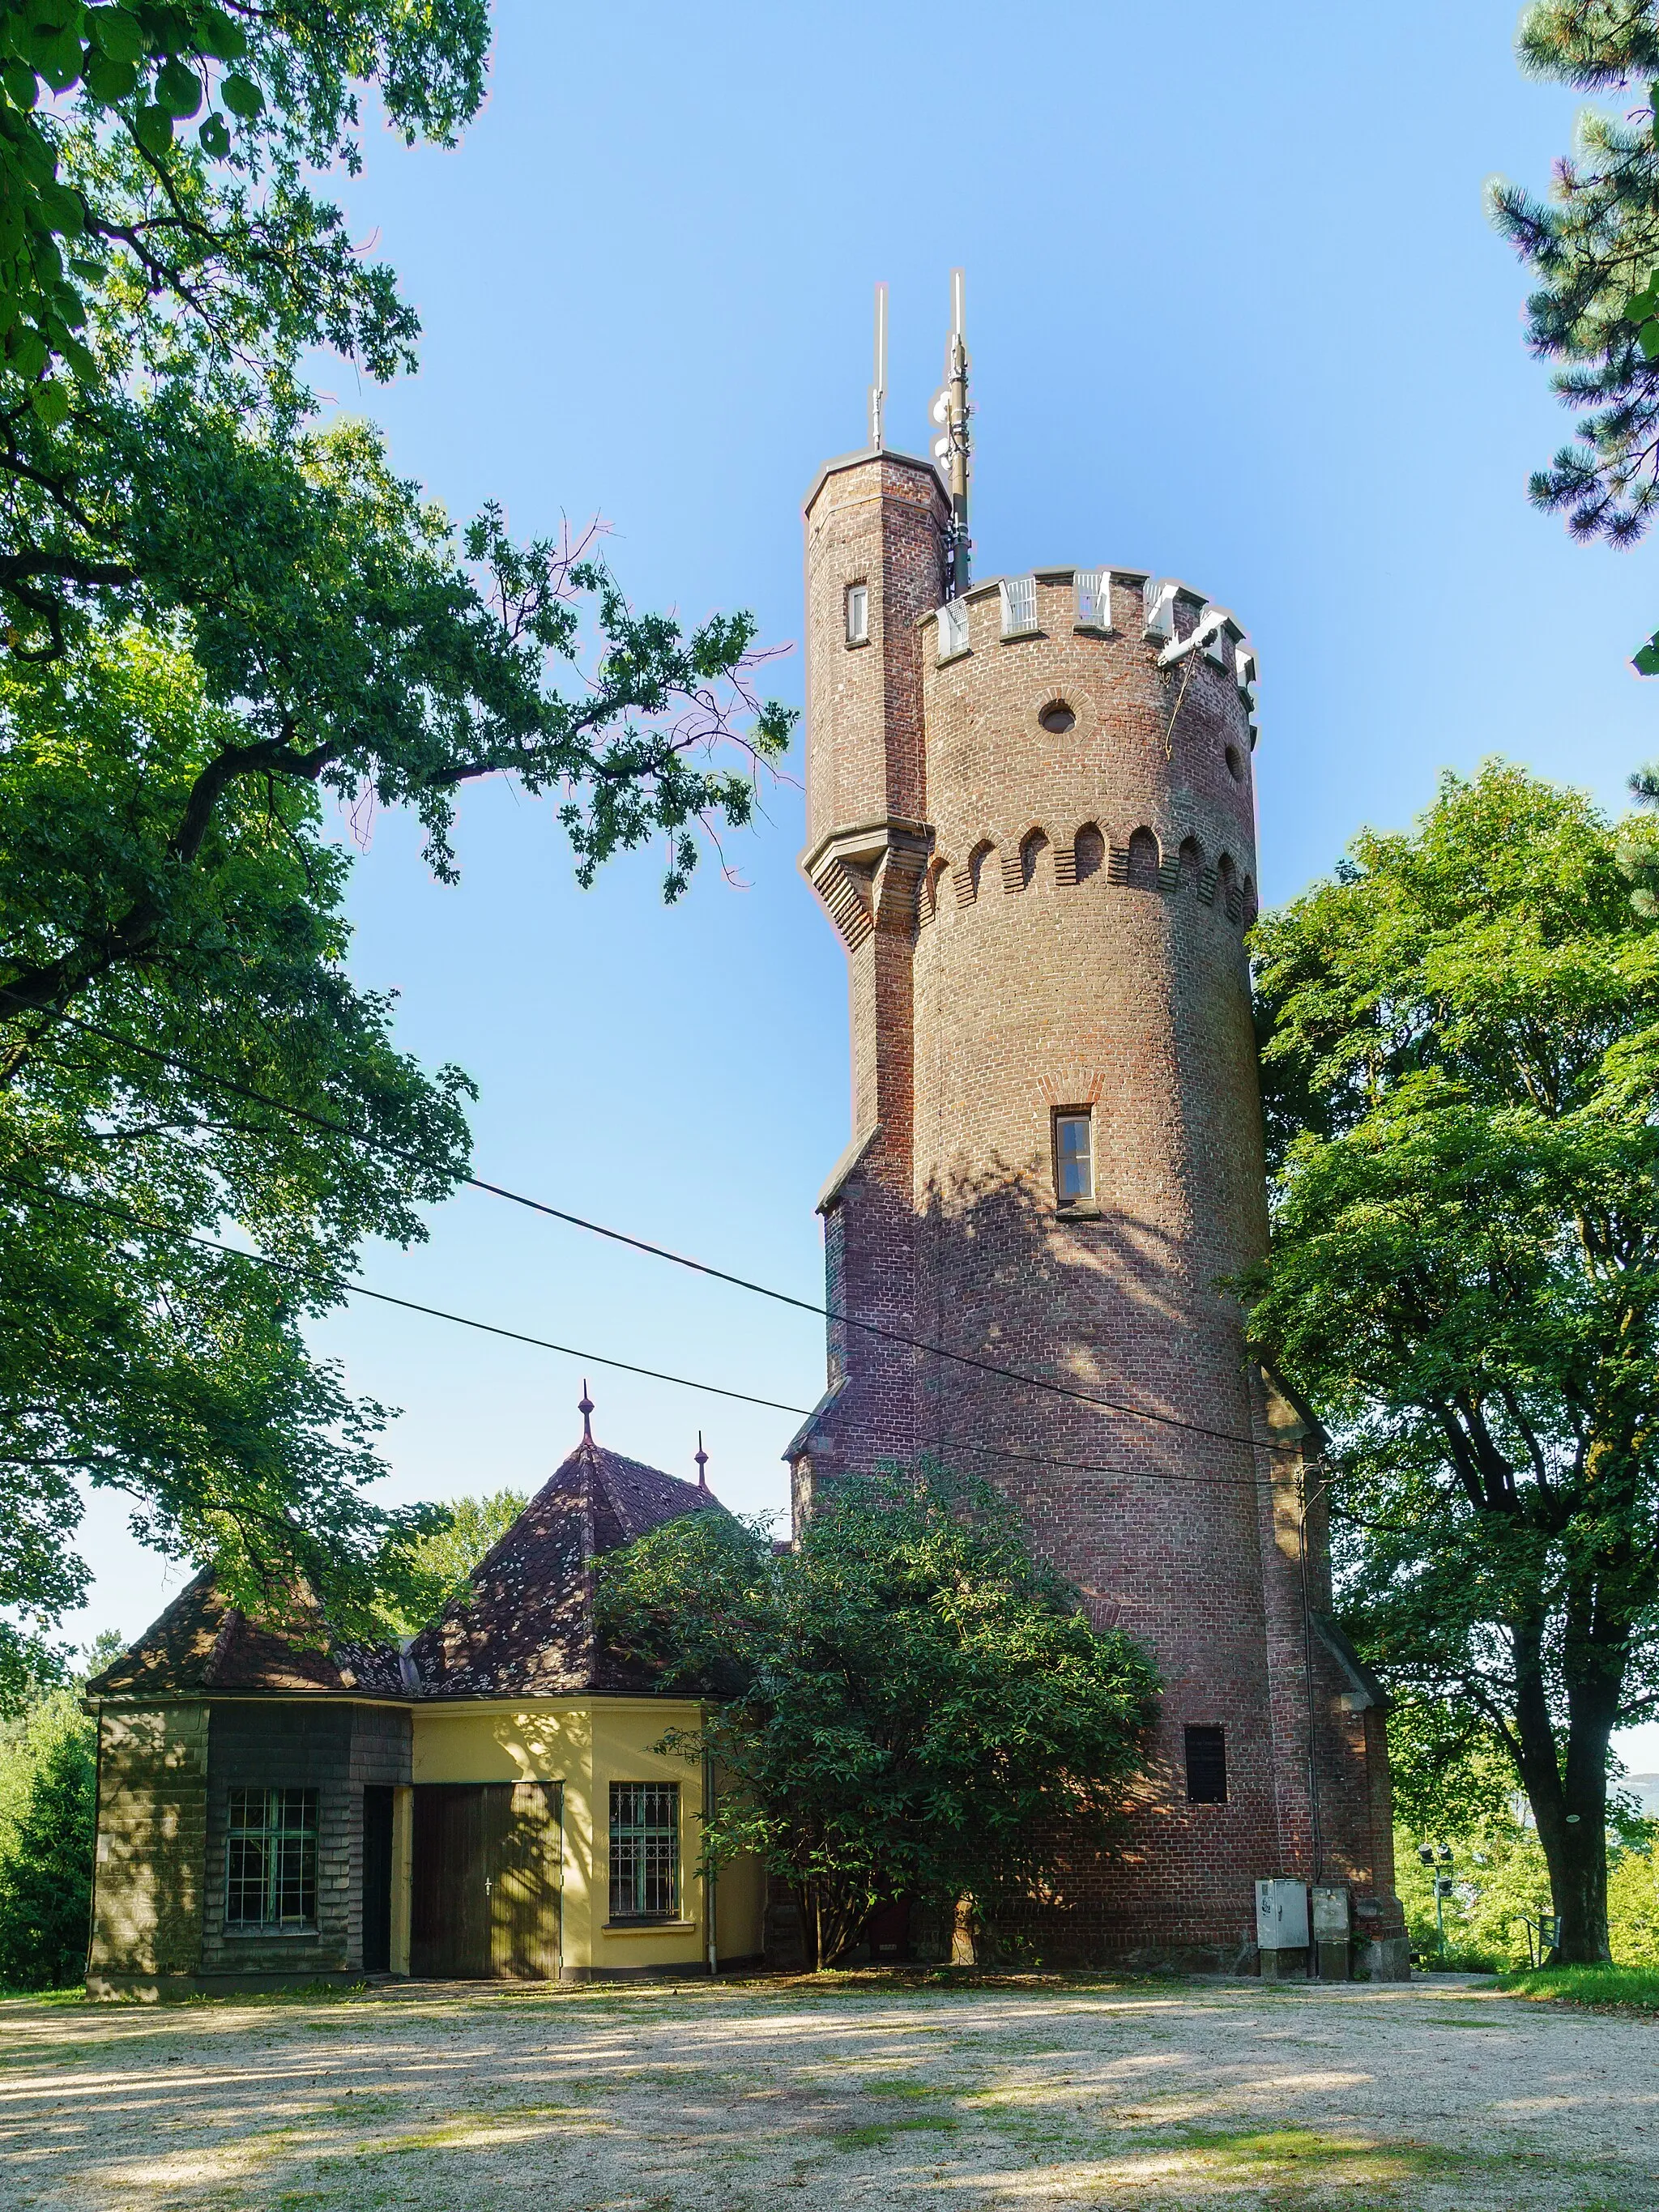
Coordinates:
(446, 1555)
(1593, 246)
(1461, 1044)
(47, 1817)
(221, 617)
(904, 1704)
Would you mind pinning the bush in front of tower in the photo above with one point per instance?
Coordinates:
(904, 1705)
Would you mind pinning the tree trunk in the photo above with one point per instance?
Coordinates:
(1571, 1809)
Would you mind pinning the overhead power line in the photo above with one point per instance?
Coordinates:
(350, 1287)
(877, 1329)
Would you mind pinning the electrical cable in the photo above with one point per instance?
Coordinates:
(662, 1252)
(349, 1287)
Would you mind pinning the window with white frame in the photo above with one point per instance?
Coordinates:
(271, 1861)
(953, 628)
(1019, 605)
(1094, 598)
(645, 1850)
(1074, 1155)
(858, 614)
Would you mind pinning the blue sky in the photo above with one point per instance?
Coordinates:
(1235, 313)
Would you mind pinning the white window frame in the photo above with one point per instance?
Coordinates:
(952, 630)
(1094, 598)
(1019, 605)
(858, 614)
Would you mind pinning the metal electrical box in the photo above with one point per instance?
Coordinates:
(1281, 1916)
(1331, 1931)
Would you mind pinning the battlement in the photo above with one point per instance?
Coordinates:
(1162, 611)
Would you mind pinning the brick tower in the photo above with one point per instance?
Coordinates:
(1030, 819)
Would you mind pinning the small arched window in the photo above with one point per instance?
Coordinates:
(1031, 851)
(1192, 864)
(1143, 861)
(1226, 876)
(1090, 850)
(976, 863)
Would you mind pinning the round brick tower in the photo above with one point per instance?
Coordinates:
(1031, 818)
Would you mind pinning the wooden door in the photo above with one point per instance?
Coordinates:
(523, 1881)
(377, 1879)
(486, 1881)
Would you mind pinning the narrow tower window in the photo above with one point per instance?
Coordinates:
(1206, 1766)
(858, 614)
(1074, 1156)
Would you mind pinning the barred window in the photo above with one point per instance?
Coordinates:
(1206, 1766)
(271, 1859)
(645, 1850)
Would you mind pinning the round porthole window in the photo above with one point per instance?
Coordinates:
(1234, 764)
(1057, 718)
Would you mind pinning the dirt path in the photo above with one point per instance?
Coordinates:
(663, 2099)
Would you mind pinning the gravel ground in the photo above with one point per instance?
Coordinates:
(663, 2099)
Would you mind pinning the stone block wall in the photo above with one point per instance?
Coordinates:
(152, 1833)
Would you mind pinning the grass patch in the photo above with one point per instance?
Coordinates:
(1625, 1989)
(900, 2086)
(1345, 2160)
(882, 2131)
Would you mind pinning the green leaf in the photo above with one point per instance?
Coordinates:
(178, 89)
(217, 35)
(1646, 662)
(26, 349)
(241, 96)
(152, 127)
(215, 137)
(23, 87)
(107, 79)
(1648, 338)
(51, 402)
(59, 59)
(80, 358)
(117, 34)
(63, 209)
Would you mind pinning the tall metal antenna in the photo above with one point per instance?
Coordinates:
(951, 451)
(878, 389)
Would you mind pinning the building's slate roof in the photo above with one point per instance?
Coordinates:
(522, 1624)
(200, 1643)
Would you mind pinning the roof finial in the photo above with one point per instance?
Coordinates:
(701, 1455)
(584, 1407)
(950, 412)
(878, 389)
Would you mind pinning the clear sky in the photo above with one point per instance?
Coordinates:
(1235, 313)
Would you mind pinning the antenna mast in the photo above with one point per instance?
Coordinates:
(951, 411)
(878, 389)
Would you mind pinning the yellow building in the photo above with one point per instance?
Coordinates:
(493, 1798)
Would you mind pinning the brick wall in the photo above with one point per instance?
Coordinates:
(1059, 921)
(152, 1826)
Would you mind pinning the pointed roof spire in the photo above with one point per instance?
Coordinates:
(701, 1458)
(584, 1407)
